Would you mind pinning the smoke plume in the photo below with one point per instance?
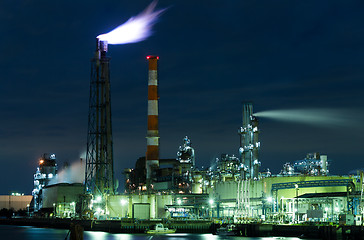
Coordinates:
(318, 117)
(75, 173)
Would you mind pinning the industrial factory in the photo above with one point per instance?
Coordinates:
(234, 190)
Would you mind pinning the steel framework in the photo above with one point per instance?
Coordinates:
(99, 172)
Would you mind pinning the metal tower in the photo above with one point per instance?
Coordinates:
(99, 172)
(249, 144)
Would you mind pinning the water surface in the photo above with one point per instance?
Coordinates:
(32, 233)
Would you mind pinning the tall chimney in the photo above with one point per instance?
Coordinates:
(249, 144)
(152, 156)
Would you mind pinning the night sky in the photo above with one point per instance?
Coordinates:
(213, 55)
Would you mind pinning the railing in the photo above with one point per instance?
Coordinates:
(308, 184)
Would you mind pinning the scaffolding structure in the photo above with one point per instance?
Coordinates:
(99, 172)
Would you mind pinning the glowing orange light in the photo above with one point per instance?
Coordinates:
(41, 161)
(149, 57)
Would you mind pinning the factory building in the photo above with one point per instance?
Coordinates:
(172, 176)
(45, 172)
(51, 196)
(159, 206)
(15, 201)
(234, 190)
(62, 199)
(286, 198)
(313, 164)
(302, 192)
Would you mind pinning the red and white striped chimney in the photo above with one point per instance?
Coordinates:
(152, 156)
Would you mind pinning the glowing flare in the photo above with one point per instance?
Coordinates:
(136, 29)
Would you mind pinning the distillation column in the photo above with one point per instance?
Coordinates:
(152, 156)
(249, 144)
(99, 172)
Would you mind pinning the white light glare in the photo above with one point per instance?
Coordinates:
(98, 199)
(136, 29)
(211, 201)
(123, 202)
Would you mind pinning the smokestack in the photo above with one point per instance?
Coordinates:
(99, 171)
(323, 159)
(249, 144)
(247, 114)
(152, 156)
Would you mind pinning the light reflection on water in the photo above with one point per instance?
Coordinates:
(32, 233)
(175, 236)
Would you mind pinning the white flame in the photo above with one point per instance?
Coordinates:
(136, 29)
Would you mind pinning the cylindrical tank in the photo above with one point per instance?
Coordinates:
(197, 183)
(323, 159)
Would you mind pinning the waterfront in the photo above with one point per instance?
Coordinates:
(32, 233)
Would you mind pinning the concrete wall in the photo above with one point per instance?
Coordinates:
(61, 193)
(15, 202)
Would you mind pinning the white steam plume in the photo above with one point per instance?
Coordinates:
(75, 173)
(136, 29)
(321, 117)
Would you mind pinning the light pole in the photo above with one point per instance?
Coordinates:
(54, 210)
(296, 217)
(211, 202)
